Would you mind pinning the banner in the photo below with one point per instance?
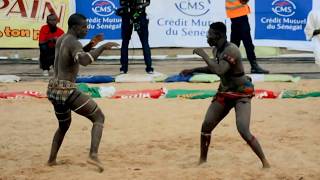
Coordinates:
(173, 23)
(183, 23)
(281, 19)
(21, 20)
(101, 17)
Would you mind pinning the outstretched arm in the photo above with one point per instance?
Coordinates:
(93, 42)
(205, 69)
(86, 58)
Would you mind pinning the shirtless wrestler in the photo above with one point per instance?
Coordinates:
(62, 92)
(235, 90)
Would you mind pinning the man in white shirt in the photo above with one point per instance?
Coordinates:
(312, 31)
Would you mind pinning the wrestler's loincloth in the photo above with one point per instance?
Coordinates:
(246, 90)
(60, 90)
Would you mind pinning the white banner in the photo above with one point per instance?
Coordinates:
(184, 23)
(181, 23)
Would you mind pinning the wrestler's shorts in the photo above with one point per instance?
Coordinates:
(245, 91)
(60, 90)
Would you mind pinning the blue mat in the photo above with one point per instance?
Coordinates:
(178, 78)
(95, 79)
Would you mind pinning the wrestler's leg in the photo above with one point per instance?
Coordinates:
(243, 113)
(85, 106)
(215, 113)
(63, 115)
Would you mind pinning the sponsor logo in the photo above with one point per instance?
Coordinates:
(284, 8)
(103, 7)
(193, 7)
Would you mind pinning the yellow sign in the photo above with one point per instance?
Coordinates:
(21, 20)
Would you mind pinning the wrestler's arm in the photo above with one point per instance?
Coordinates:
(216, 67)
(86, 58)
(93, 42)
(88, 47)
(205, 69)
(186, 72)
(82, 57)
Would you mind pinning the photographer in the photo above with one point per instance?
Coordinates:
(133, 13)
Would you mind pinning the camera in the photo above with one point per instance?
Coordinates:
(123, 11)
(128, 3)
(140, 2)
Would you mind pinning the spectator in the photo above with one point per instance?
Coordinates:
(312, 31)
(49, 34)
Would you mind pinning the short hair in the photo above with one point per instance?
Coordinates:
(75, 18)
(53, 15)
(219, 26)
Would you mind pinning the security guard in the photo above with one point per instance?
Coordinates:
(133, 13)
(237, 11)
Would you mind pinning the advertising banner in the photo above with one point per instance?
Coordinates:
(173, 23)
(281, 19)
(183, 23)
(102, 17)
(20, 20)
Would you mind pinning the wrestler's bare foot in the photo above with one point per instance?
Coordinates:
(52, 163)
(93, 159)
(265, 164)
(202, 161)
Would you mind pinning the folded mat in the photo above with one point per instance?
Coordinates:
(9, 78)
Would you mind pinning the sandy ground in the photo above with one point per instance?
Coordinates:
(159, 139)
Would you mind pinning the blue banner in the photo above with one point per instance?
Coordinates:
(101, 16)
(281, 19)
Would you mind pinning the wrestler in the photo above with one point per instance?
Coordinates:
(235, 90)
(62, 90)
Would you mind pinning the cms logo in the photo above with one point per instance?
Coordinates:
(285, 8)
(103, 7)
(193, 7)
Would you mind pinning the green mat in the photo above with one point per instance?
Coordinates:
(190, 94)
(299, 94)
(91, 91)
(204, 78)
(280, 78)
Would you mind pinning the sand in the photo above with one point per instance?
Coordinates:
(159, 139)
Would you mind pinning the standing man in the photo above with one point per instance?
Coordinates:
(235, 90)
(133, 13)
(48, 36)
(62, 91)
(312, 31)
(237, 11)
